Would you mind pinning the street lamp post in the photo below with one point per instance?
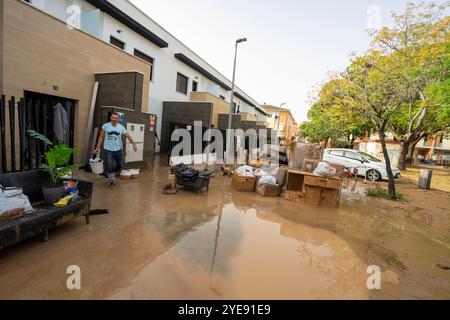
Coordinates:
(230, 116)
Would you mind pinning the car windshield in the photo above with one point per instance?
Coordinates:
(369, 157)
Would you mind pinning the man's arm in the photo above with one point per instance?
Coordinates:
(130, 138)
(100, 141)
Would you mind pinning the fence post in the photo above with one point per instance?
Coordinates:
(12, 131)
(22, 133)
(36, 128)
(3, 132)
(28, 122)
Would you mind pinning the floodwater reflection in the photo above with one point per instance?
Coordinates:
(217, 245)
(251, 253)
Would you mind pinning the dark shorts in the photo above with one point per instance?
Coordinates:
(114, 161)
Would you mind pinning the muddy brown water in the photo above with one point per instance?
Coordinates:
(231, 245)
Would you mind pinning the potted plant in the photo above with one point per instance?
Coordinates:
(57, 158)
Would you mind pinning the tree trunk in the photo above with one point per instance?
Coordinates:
(403, 155)
(391, 186)
(411, 148)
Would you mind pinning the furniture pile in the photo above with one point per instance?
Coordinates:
(43, 217)
(299, 152)
(268, 180)
(312, 189)
(319, 184)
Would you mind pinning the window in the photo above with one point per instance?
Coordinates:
(182, 83)
(339, 153)
(147, 58)
(369, 157)
(425, 141)
(116, 42)
(194, 86)
(236, 108)
(353, 156)
(441, 141)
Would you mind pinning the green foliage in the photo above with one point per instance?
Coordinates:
(401, 85)
(384, 194)
(57, 158)
(419, 44)
(333, 117)
(41, 137)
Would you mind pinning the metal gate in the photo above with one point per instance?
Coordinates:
(174, 126)
(36, 112)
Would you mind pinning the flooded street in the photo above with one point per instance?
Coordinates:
(226, 244)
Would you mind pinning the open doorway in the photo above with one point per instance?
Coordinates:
(52, 116)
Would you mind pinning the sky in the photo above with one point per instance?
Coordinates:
(292, 44)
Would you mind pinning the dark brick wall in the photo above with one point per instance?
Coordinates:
(235, 121)
(183, 113)
(123, 90)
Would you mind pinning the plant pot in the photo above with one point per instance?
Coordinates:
(52, 193)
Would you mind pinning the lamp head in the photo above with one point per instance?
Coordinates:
(241, 40)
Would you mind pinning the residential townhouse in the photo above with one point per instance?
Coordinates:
(436, 147)
(283, 120)
(58, 49)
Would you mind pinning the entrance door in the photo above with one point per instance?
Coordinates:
(51, 116)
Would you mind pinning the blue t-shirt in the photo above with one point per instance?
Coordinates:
(113, 136)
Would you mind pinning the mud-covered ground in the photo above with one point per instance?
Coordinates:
(226, 244)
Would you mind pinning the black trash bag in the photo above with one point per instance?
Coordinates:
(187, 175)
(181, 167)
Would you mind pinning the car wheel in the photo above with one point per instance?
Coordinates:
(373, 175)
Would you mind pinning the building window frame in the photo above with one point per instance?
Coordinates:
(194, 86)
(117, 43)
(183, 90)
(141, 55)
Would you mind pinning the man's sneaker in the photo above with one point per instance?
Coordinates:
(112, 186)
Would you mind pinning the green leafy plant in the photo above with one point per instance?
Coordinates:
(383, 193)
(57, 158)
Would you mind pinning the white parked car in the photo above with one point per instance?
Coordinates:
(368, 166)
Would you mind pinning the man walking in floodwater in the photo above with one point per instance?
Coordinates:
(111, 134)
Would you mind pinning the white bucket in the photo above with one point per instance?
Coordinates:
(96, 165)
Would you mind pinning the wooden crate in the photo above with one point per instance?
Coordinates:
(313, 195)
(268, 190)
(295, 196)
(296, 179)
(322, 197)
(243, 183)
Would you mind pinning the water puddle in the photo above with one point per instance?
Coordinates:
(252, 254)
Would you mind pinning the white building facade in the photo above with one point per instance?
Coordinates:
(177, 70)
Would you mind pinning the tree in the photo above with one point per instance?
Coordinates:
(331, 117)
(374, 88)
(419, 42)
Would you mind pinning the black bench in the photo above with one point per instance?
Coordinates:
(45, 217)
